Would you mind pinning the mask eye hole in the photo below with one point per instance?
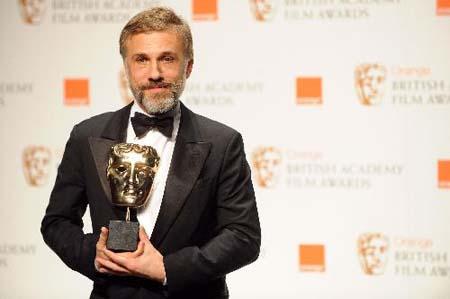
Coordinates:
(142, 173)
(121, 169)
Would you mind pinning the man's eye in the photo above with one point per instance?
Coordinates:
(168, 59)
(141, 59)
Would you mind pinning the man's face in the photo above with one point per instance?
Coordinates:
(157, 69)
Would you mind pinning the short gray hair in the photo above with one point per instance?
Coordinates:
(157, 19)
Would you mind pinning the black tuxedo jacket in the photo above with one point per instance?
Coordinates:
(208, 222)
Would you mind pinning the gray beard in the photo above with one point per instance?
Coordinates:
(159, 105)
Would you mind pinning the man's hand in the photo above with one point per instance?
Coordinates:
(104, 264)
(145, 262)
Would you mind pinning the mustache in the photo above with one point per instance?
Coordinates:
(150, 85)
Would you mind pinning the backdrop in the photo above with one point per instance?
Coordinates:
(344, 106)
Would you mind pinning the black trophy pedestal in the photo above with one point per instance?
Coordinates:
(123, 235)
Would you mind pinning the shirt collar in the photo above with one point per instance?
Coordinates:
(137, 108)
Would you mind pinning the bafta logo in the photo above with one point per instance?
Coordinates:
(36, 165)
(263, 10)
(266, 162)
(124, 86)
(369, 83)
(32, 11)
(372, 252)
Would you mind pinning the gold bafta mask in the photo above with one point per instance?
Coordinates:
(36, 164)
(266, 161)
(369, 83)
(263, 10)
(32, 10)
(131, 171)
(372, 252)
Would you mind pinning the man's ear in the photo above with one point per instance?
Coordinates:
(125, 67)
(189, 66)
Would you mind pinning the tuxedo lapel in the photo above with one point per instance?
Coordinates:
(188, 157)
(113, 133)
(100, 148)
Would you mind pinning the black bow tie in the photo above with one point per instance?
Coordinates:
(143, 123)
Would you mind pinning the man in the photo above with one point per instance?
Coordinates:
(201, 215)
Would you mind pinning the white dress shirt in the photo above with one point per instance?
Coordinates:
(164, 146)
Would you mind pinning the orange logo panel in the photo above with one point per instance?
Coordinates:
(312, 258)
(76, 92)
(444, 174)
(204, 10)
(443, 7)
(309, 90)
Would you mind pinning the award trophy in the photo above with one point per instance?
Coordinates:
(131, 170)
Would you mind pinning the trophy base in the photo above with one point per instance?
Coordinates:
(123, 235)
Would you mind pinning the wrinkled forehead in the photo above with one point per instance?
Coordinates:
(169, 39)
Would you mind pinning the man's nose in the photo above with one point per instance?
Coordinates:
(155, 72)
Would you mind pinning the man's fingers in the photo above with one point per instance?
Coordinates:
(106, 266)
(143, 235)
(116, 258)
(145, 239)
(139, 251)
(103, 263)
(103, 236)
